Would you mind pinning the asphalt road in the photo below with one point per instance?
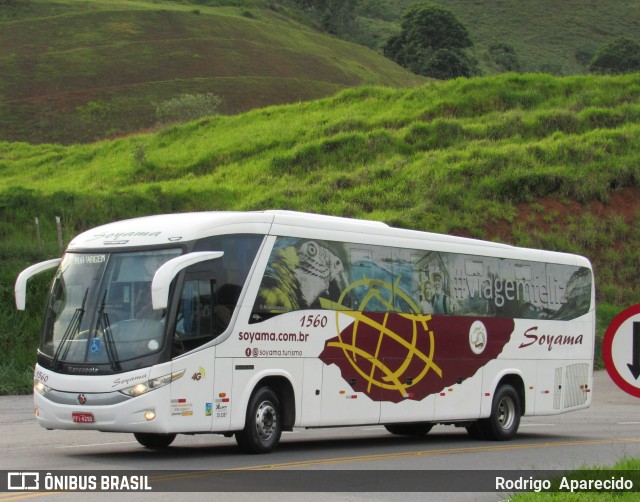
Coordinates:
(601, 435)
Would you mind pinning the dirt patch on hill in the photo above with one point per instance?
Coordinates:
(624, 203)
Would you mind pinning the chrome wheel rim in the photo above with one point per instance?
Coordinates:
(506, 413)
(266, 420)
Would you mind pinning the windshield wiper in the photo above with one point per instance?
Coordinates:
(72, 330)
(105, 324)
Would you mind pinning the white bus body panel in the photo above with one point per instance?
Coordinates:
(213, 394)
(125, 416)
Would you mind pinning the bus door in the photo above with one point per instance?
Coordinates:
(192, 399)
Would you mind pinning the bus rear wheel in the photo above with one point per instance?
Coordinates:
(263, 426)
(154, 441)
(503, 423)
(416, 430)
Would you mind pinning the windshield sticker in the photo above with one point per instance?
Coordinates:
(95, 346)
(89, 259)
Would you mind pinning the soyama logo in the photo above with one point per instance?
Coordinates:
(550, 341)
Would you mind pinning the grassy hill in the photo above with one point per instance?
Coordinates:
(531, 160)
(548, 36)
(75, 71)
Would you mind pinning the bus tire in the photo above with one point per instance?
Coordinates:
(503, 423)
(263, 426)
(154, 441)
(416, 430)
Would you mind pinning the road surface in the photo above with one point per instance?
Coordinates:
(601, 435)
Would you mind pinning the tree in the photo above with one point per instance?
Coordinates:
(584, 56)
(621, 55)
(431, 38)
(504, 55)
(336, 16)
(448, 63)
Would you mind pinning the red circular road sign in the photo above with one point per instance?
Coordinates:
(621, 350)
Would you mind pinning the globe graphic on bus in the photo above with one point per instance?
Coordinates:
(394, 356)
(384, 354)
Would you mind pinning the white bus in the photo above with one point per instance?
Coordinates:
(250, 324)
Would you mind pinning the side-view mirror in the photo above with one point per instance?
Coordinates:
(167, 272)
(20, 288)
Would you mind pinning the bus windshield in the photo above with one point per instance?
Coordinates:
(99, 309)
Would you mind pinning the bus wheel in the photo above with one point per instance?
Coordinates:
(154, 441)
(504, 420)
(417, 430)
(263, 426)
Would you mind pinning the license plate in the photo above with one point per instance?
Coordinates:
(82, 418)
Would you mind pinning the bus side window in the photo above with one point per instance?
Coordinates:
(195, 323)
(226, 299)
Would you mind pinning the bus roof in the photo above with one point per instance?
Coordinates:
(162, 230)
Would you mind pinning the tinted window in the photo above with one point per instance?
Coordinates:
(211, 290)
(316, 274)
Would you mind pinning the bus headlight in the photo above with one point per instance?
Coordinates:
(40, 387)
(142, 388)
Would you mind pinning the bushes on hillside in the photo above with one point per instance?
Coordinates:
(11, 8)
(187, 107)
(504, 55)
(622, 55)
(335, 16)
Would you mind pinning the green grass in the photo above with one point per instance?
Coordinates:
(531, 160)
(628, 468)
(78, 71)
(74, 71)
